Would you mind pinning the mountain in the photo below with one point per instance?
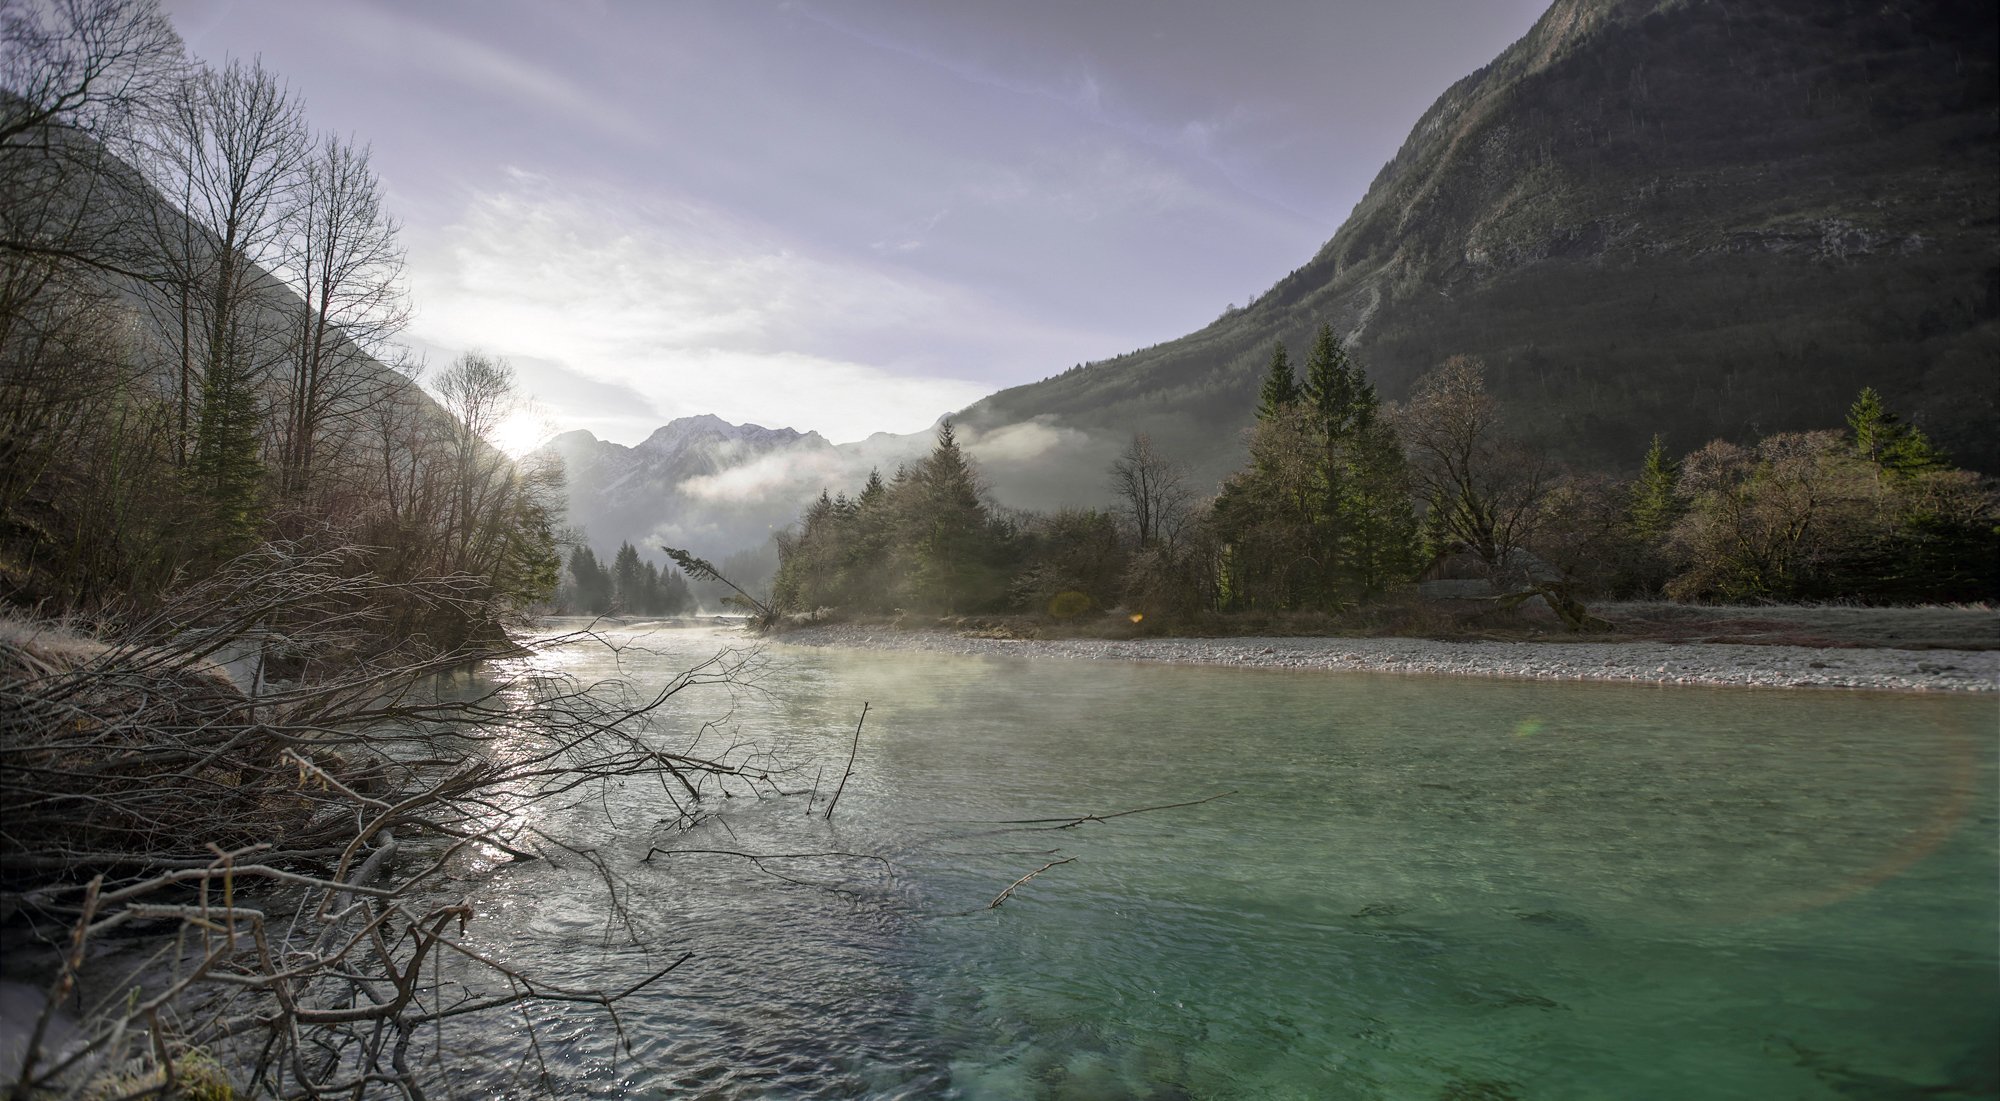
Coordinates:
(718, 488)
(697, 482)
(1685, 216)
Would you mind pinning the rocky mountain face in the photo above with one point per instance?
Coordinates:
(1685, 216)
(698, 482)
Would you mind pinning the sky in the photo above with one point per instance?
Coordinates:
(847, 216)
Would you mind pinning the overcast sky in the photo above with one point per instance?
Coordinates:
(849, 215)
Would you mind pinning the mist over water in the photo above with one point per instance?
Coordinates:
(1420, 887)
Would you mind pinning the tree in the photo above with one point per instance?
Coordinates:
(1882, 438)
(1075, 564)
(343, 260)
(1773, 522)
(81, 65)
(1339, 393)
(1154, 491)
(1378, 527)
(1482, 488)
(628, 582)
(77, 79)
(1267, 513)
(946, 534)
(594, 588)
(227, 154)
(1280, 388)
(1656, 502)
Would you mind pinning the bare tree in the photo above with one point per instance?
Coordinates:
(1484, 488)
(80, 65)
(1154, 491)
(228, 157)
(76, 78)
(343, 259)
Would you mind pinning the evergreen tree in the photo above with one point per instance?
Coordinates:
(1882, 438)
(674, 596)
(1281, 389)
(1379, 544)
(226, 470)
(1655, 505)
(1340, 395)
(594, 591)
(947, 530)
(628, 581)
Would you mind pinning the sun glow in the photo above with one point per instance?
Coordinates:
(521, 432)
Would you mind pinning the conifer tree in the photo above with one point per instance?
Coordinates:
(1281, 389)
(226, 469)
(1882, 438)
(628, 580)
(1335, 388)
(593, 585)
(1655, 506)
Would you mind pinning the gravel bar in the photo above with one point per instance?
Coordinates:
(1638, 662)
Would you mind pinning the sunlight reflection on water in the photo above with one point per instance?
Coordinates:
(1421, 888)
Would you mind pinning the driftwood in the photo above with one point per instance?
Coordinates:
(1003, 895)
(851, 751)
(299, 839)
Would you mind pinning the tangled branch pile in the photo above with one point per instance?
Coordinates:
(295, 837)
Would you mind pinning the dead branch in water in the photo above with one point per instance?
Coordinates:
(1011, 887)
(851, 751)
(1071, 823)
(301, 841)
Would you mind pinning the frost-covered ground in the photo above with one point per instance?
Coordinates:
(1646, 662)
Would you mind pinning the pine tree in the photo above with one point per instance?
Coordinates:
(1655, 505)
(1281, 389)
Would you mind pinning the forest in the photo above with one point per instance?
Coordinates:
(1345, 502)
(199, 295)
(247, 551)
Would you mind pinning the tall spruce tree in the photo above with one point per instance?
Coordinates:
(1655, 505)
(1281, 388)
(594, 593)
(949, 538)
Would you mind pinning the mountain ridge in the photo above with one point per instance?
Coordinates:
(1765, 206)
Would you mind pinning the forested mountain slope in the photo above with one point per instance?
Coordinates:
(1695, 218)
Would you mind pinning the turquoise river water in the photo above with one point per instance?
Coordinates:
(1417, 888)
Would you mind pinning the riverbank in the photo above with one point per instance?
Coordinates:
(1647, 662)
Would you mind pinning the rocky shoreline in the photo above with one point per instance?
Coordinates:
(1720, 664)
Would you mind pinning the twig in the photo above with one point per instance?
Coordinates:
(1002, 896)
(1070, 823)
(851, 750)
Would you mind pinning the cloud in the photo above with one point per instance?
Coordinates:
(399, 38)
(688, 308)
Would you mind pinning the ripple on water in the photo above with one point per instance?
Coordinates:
(1422, 888)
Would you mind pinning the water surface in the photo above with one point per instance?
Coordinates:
(1419, 888)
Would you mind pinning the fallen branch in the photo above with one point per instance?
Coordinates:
(851, 750)
(1011, 887)
(1071, 823)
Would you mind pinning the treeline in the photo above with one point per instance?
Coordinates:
(632, 586)
(198, 296)
(1345, 500)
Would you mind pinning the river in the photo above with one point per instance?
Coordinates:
(1416, 887)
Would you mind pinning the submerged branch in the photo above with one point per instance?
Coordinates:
(1070, 823)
